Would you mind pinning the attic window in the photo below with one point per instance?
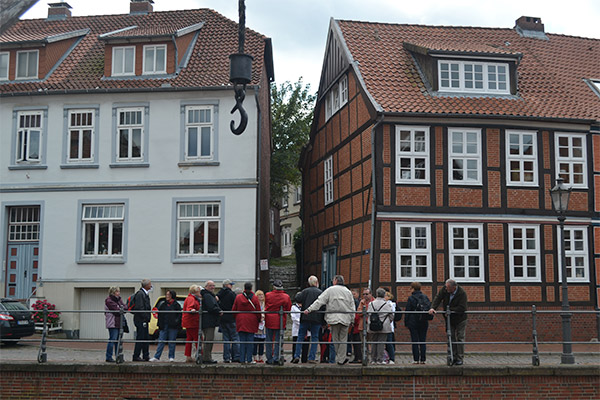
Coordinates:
(123, 62)
(473, 77)
(155, 59)
(4, 57)
(337, 97)
(27, 64)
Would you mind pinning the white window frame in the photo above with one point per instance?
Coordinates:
(116, 215)
(199, 126)
(4, 57)
(23, 151)
(413, 251)
(284, 198)
(80, 129)
(464, 156)
(189, 213)
(466, 252)
(525, 253)
(122, 68)
(298, 195)
(571, 160)
(130, 128)
(571, 253)
(328, 179)
(413, 155)
(152, 69)
(337, 97)
(460, 69)
(27, 54)
(521, 158)
(343, 90)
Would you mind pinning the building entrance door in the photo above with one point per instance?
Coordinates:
(329, 266)
(23, 251)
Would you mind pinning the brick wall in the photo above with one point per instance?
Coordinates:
(188, 382)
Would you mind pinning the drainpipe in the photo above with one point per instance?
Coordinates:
(374, 198)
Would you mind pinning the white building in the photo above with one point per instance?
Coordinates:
(117, 159)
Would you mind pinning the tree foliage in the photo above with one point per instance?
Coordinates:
(291, 107)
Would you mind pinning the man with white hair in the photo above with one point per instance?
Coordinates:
(308, 323)
(141, 318)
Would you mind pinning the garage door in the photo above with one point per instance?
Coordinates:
(92, 325)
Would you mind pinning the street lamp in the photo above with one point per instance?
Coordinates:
(560, 200)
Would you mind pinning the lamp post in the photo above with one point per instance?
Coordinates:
(560, 194)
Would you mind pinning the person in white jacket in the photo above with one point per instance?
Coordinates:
(340, 313)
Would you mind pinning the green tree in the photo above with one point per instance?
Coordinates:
(291, 107)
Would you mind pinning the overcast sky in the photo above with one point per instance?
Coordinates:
(298, 28)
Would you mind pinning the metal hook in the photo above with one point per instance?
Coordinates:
(240, 94)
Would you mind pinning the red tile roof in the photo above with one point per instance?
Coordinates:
(551, 72)
(83, 69)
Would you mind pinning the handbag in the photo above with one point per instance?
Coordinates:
(125, 326)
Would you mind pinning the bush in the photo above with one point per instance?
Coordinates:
(38, 316)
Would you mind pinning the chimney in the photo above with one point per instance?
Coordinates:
(530, 27)
(140, 7)
(59, 11)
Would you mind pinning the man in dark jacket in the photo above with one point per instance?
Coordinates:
(311, 322)
(141, 320)
(210, 319)
(231, 351)
(454, 296)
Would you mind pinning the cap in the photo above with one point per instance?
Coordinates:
(277, 284)
(228, 282)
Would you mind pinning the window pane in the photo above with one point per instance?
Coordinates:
(198, 237)
(117, 238)
(123, 143)
(87, 144)
(21, 65)
(34, 145)
(160, 59)
(193, 142)
(103, 238)
(213, 237)
(149, 60)
(74, 144)
(118, 61)
(128, 60)
(205, 141)
(136, 145)
(184, 238)
(89, 238)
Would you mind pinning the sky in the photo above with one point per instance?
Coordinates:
(298, 28)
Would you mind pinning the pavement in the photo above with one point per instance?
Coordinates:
(62, 350)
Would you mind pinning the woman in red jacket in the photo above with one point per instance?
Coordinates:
(190, 321)
(246, 323)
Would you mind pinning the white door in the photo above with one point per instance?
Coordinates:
(92, 325)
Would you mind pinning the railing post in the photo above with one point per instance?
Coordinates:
(280, 338)
(199, 345)
(364, 337)
(42, 356)
(536, 356)
(120, 359)
(450, 357)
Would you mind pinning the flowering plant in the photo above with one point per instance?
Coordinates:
(53, 316)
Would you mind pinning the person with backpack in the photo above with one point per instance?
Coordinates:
(141, 319)
(418, 324)
(380, 312)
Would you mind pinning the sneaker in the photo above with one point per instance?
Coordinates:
(154, 359)
(296, 360)
(415, 362)
(251, 362)
(171, 360)
(422, 362)
(391, 362)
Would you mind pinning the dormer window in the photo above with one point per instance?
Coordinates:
(4, 59)
(123, 61)
(469, 77)
(155, 58)
(27, 64)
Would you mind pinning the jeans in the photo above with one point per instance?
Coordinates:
(113, 335)
(419, 334)
(339, 333)
(231, 351)
(458, 339)
(246, 348)
(390, 347)
(273, 348)
(314, 338)
(141, 333)
(259, 346)
(169, 334)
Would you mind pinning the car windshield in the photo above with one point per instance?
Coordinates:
(161, 301)
(14, 306)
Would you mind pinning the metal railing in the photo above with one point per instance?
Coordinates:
(364, 342)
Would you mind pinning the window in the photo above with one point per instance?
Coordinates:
(130, 130)
(344, 90)
(123, 61)
(413, 258)
(284, 198)
(576, 252)
(465, 156)
(521, 158)
(4, 62)
(155, 58)
(24, 224)
(570, 158)
(80, 135)
(27, 64)
(29, 137)
(328, 174)
(412, 154)
(286, 241)
(475, 77)
(337, 97)
(199, 133)
(328, 108)
(103, 230)
(466, 252)
(198, 229)
(524, 253)
(298, 198)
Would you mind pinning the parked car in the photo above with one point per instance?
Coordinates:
(15, 321)
(153, 326)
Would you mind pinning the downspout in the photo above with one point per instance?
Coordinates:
(374, 198)
(258, 190)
